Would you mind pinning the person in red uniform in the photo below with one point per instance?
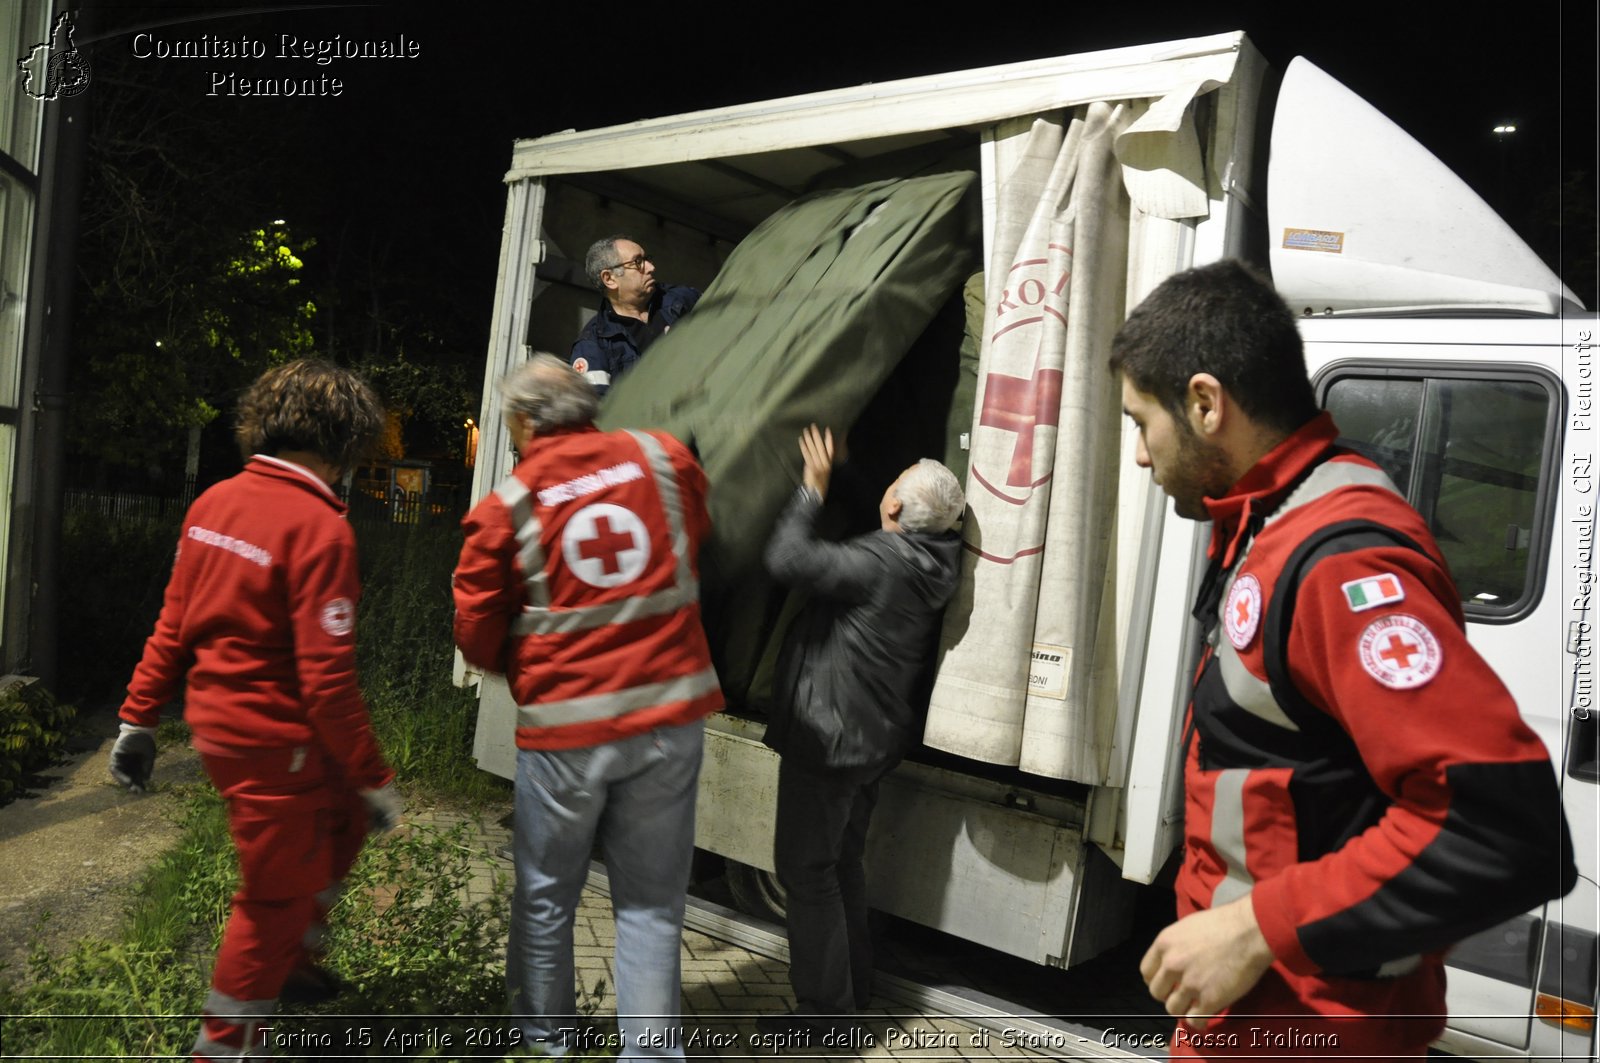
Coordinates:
(1361, 791)
(579, 582)
(259, 617)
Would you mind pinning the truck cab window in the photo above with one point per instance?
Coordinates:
(1472, 453)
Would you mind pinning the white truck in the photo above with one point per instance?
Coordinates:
(1441, 343)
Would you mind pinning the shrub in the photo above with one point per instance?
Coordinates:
(31, 733)
(405, 919)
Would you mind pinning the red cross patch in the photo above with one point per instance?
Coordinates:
(1400, 652)
(605, 545)
(1242, 613)
(338, 617)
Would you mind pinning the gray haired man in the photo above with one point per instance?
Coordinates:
(579, 582)
(635, 313)
(845, 705)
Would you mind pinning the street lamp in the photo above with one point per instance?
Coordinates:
(1502, 136)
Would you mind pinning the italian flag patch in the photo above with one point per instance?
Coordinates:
(1369, 593)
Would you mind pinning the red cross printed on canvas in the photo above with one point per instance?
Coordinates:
(1021, 405)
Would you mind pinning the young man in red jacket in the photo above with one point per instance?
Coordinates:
(259, 616)
(579, 582)
(1361, 792)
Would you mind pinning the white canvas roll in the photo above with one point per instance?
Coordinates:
(1029, 652)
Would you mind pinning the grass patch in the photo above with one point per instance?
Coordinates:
(132, 997)
(405, 652)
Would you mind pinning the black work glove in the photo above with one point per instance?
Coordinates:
(384, 808)
(133, 758)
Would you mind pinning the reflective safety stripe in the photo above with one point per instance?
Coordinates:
(1398, 968)
(672, 503)
(1330, 476)
(1255, 695)
(1227, 835)
(221, 1010)
(564, 621)
(538, 617)
(617, 702)
(223, 1006)
(598, 377)
(1249, 693)
(328, 896)
(530, 555)
(205, 1048)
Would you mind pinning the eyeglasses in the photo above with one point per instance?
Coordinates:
(636, 262)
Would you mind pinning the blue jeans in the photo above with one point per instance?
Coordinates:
(637, 797)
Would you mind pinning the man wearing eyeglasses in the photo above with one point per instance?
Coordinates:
(635, 313)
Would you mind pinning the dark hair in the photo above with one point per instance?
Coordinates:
(1224, 319)
(601, 256)
(309, 405)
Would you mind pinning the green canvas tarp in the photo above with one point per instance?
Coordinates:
(809, 317)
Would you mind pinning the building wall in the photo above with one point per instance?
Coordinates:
(24, 24)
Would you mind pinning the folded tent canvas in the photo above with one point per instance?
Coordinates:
(806, 321)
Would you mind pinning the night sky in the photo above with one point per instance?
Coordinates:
(420, 145)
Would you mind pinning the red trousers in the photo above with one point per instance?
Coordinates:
(297, 827)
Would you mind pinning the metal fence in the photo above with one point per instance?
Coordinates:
(442, 505)
(122, 506)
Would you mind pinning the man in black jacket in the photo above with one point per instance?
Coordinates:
(844, 711)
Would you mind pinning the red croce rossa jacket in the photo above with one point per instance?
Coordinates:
(579, 582)
(260, 615)
(1353, 765)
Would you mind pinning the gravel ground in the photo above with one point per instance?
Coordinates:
(71, 851)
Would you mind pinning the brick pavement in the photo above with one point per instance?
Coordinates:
(725, 986)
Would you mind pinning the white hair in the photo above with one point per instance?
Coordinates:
(550, 392)
(930, 497)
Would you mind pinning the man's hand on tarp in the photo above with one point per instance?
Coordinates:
(816, 450)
